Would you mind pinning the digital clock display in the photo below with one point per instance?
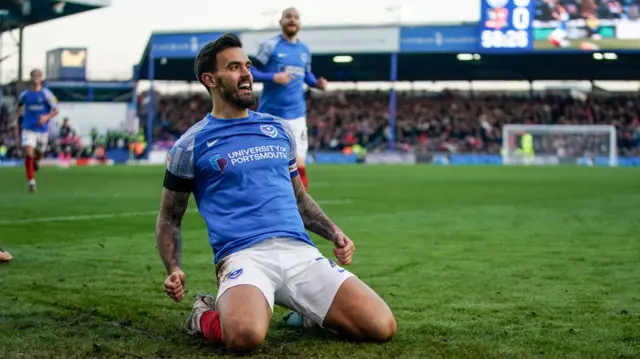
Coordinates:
(506, 25)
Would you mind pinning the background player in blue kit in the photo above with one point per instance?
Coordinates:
(558, 36)
(38, 106)
(283, 63)
(240, 166)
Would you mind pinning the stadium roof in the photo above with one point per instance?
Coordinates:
(16, 14)
(444, 67)
(442, 64)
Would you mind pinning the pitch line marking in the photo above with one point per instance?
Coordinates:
(85, 217)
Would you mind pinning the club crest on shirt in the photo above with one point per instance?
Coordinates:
(304, 57)
(269, 130)
(235, 274)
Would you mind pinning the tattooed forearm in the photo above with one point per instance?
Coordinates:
(169, 228)
(313, 217)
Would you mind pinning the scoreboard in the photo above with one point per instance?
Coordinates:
(506, 25)
(517, 26)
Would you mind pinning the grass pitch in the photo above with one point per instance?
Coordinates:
(484, 262)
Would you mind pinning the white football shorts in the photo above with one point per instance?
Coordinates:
(289, 273)
(299, 128)
(38, 140)
(559, 34)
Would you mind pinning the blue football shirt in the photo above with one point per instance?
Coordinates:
(241, 171)
(36, 104)
(279, 55)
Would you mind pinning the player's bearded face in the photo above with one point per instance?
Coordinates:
(290, 23)
(237, 90)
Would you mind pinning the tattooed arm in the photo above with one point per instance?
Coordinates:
(179, 183)
(169, 228)
(313, 217)
(317, 222)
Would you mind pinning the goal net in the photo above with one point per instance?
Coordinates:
(559, 144)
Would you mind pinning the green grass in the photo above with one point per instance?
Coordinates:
(484, 262)
(604, 44)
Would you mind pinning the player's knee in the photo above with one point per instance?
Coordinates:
(243, 338)
(382, 327)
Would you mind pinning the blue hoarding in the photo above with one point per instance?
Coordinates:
(180, 45)
(334, 158)
(506, 25)
(439, 39)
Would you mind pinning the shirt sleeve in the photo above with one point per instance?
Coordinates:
(261, 76)
(308, 69)
(52, 100)
(179, 175)
(293, 153)
(265, 50)
(21, 98)
(309, 77)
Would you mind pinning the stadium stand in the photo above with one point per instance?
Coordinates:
(447, 121)
(418, 121)
(421, 122)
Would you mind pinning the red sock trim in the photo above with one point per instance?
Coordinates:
(303, 177)
(210, 324)
(28, 164)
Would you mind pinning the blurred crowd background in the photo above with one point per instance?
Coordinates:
(446, 121)
(427, 122)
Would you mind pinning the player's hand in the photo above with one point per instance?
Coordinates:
(174, 285)
(43, 120)
(344, 248)
(321, 84)
(282, 78)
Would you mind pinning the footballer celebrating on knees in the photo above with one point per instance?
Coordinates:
(241, 167)
(283, 63)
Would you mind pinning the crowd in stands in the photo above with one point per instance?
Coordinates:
(581, 9)
(426, 121)
(108, 140)
(7, 134)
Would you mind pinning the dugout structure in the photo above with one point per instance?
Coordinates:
(398, 53)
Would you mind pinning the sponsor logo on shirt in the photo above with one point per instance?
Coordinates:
(218, 163)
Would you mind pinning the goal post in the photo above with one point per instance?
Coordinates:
(559, 144)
